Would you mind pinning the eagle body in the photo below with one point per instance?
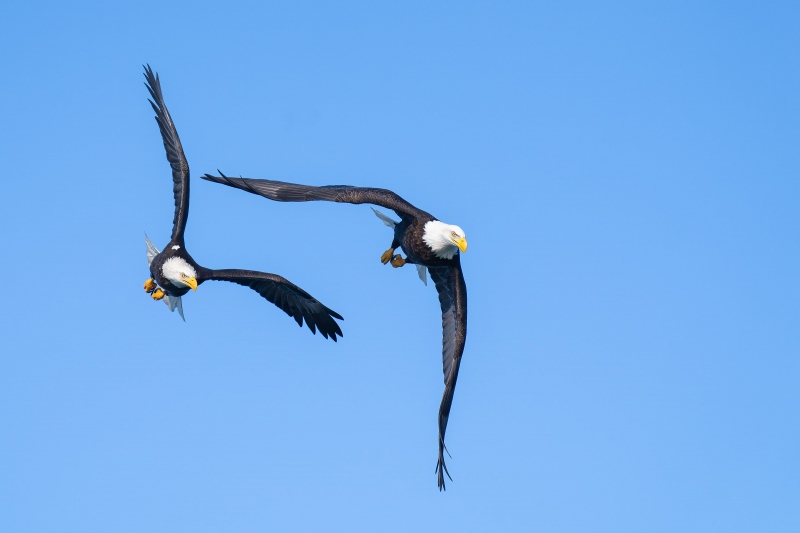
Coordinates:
(408, 234)
(174, 271)
(427, 243)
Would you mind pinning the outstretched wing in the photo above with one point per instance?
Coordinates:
(293, 300)
(293, 192)
(175, 156)
(452, 291)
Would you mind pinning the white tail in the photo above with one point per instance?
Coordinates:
(423, 274)
(386, 220)
(173, 302)
(152, 251)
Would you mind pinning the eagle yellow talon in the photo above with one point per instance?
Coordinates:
(398, 261)
(387, 255)
(150, 285)
(158, 294)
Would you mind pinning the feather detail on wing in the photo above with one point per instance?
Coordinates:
(452, 291)
(175, 155)
(287, 296)
(292, 192)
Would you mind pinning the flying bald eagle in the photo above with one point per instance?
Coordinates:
(173, 272)
(427, 243)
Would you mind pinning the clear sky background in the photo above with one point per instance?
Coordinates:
(628, 179)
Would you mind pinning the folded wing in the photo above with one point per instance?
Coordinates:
(293, 300)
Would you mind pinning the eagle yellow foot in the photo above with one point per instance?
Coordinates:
(387, 256)
(150, 285)
(398, 261)
(158, 294)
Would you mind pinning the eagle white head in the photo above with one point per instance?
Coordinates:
(444, 239)
(180, 273)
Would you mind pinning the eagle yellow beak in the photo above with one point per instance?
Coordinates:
(192, 282)
(462, 244)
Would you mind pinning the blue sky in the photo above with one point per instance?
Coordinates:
(627, 177)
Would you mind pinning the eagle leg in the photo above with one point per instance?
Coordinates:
(150, 285)
(158, 294)
(398, 261)
(387, 255)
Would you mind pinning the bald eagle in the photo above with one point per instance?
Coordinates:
(174, 272)
(427, 242)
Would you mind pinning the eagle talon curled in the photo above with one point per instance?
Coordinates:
(398, 261)
(387, 256)
(150, 285)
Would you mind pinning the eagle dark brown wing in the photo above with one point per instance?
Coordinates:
(290, 298)
(175, 156)
(452, 291)
(292, 192)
